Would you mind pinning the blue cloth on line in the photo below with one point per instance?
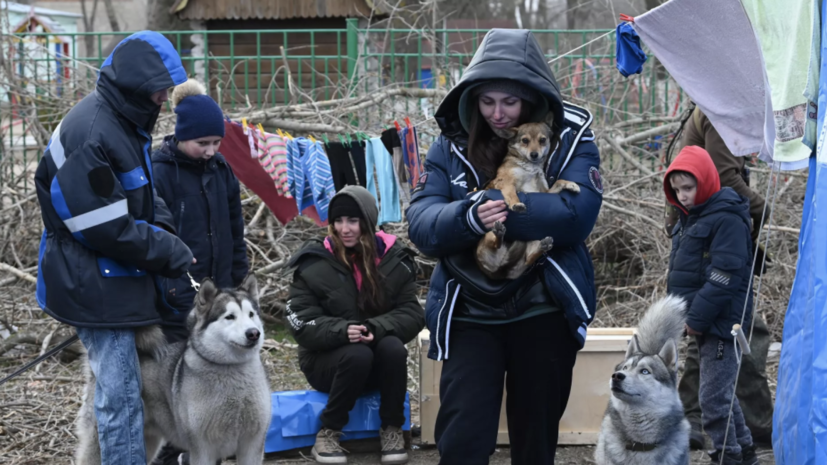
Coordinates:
(378, 157)
(630, 57)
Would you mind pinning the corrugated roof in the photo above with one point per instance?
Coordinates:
(271, 9)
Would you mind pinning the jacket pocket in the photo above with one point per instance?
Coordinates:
(110, 268)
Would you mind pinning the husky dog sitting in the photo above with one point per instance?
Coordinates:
(522, 170)
(208, 395)
(644, 422)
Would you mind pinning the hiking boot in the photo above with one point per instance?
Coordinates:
(729, 458)
(327, 448)
(393, 446)
(696, 437)
(748, 456)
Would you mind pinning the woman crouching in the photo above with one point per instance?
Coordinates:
(353, 306)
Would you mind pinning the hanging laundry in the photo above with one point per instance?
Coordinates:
(347, 170)
(356, 153)
(273, 158)
(410, 153)
(391, 141)
(317, 174)
(379, 159)
(630, 57)
(736, 99)
(236, 150)
(785, 32)
(300, 185)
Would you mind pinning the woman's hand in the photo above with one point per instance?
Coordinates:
(367, 339)
(492, 211)
(354, 333)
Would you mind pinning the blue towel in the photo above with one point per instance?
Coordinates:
(320, 178)
(378, 156)
(630, 57)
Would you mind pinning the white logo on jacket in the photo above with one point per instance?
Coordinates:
(457, 181)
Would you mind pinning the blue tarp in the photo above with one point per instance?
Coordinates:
(295, 419)
(800, 422)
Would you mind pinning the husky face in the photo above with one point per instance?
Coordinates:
(644, 378)
(225, 326)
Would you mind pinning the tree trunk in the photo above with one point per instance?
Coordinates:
(110, 13)
(159, 18)
(89, 25)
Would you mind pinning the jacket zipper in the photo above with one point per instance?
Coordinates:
(181, 219)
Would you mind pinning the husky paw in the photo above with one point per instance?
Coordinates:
(518, 207)
(546, 244)
(499, 229)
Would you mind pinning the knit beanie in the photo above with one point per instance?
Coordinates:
(356, 202)
(508, 86)
(198, 114)
(344, 205)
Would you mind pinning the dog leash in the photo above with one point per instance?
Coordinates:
(34, 362)
(66, 344)
(193, 282)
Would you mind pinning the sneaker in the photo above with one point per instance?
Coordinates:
(729, 458)
(393, 446)
(748, 456)
(696, 437)
(327, 448)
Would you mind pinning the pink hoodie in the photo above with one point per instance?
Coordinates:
(388, 239)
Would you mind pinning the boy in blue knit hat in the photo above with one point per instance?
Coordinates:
(203, 195)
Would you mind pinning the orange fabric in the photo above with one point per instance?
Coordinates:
(697, 162)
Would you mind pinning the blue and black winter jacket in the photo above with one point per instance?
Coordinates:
(711, 260)
(102, 249)
(442, 213)
(205, 202)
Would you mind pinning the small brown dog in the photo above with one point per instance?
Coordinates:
(522, 170)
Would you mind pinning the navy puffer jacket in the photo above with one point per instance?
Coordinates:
(204, 199)
(711, 260)
(442, 214)
(102, 249)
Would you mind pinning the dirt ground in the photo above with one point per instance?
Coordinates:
(565, 456)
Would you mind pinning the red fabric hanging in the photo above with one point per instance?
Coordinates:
(248, 170)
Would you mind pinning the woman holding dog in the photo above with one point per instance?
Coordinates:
(353, 306)
(522, 333)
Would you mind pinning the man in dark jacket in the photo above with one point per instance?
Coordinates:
(709, 267)
(753, 390)
(101, 249)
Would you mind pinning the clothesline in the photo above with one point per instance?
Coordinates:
(300, 175)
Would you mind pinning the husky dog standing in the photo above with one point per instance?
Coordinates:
(208, 395)
(644, 422)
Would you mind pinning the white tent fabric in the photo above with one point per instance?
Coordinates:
(711, 50)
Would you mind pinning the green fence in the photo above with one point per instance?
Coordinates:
(253, 68)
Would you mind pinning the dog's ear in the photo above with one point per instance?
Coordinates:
(207, 292)
(549, 120)
(633, 348)
(507, 134)
(669, 354)
(250, 286)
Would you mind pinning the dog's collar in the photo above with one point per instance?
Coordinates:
(640, 447)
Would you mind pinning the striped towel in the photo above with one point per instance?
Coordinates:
(318, 175)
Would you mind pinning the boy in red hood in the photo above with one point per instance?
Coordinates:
(710, 267)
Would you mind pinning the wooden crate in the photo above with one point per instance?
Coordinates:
(605, 348)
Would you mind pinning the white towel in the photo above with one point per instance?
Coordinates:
(711, 50)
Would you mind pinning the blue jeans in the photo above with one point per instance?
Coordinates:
(118, 406)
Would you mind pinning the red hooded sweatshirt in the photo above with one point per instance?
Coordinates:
(697, 162)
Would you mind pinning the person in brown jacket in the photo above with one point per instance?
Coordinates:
(752, 389)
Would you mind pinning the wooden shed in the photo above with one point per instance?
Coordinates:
(244, 39)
